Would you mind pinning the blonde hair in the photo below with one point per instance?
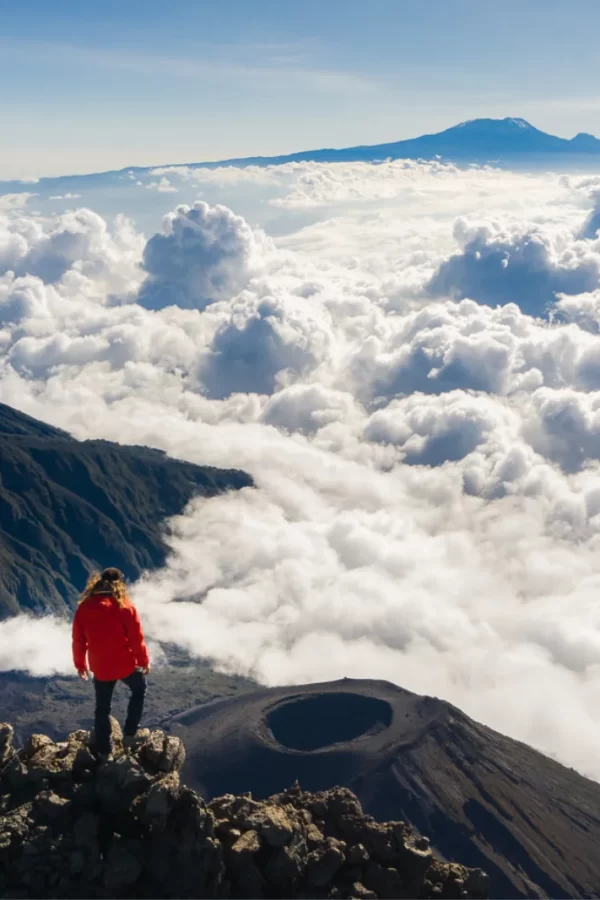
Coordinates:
(110, 581)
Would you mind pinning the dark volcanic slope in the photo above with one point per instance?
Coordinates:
(485, 799)
(68, 506)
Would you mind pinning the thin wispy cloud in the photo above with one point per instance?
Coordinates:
(208, 62)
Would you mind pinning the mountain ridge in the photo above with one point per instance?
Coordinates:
(490, 141)
(68, 507)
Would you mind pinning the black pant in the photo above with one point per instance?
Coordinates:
(136, 682)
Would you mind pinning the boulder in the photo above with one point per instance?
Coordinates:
(246, 876)
(357, 854)
(273, 825)
(323, 864)
(361, 892)
(154, 807)
(284, 868)
(35, 743)
(385, 881)
(123, 867)
(119, 782)
(48, 808)
(162, 753)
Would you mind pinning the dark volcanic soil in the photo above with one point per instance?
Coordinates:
(485, 799)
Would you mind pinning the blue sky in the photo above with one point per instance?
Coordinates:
(98, 85)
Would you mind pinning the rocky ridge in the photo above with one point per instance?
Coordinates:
(70, 827)
(68, 507)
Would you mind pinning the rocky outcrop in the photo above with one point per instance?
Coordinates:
(71, 827)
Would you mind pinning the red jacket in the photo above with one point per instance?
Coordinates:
(110, 636)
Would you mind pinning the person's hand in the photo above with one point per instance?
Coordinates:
(146, 669)
(83, 674)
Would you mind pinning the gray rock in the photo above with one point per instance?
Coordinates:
(35, 743)
(247, 879)
(360, 892)
(155, 806)
(283, 868)
(385, 881)
(49, 808)
(124, 865)
(119, 782)
(273, 825)
(163, 753)
(357, 854)
(323, 864)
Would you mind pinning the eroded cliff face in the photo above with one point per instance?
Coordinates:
(70, 827)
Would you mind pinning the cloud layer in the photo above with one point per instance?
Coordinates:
(407, 360)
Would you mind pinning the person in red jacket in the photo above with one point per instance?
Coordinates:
(108, 641)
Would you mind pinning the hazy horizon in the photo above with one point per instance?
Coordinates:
(264, 155)
(100, 88)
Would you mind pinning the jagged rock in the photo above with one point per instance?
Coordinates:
(155, 806)
(49, 808)
(385, 881)
(15, 773)
(357, 854)
(163, 753)
(7, 735)
(70, 827)
(273, 825)
(246, 875)
(271, 822)
(287, 865)
(186, 860)
(360, 892)
(475, 883)
(124, 865)
(35, 743)
(314, 836)
(324, 863)
(119, 782)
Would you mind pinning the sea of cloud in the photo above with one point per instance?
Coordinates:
(406, 358)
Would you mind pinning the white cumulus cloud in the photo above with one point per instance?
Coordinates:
(422, 423)
(204, 254)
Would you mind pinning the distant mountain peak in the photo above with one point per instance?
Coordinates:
(585, 142)
(509, 122)
(520, 123)
(502, 142)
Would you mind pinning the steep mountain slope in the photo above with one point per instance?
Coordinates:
(492, 802)
(68, 506)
